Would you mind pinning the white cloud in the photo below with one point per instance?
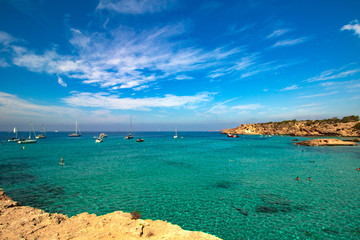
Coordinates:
(3, 63)
(278, 33)
(341, 85)
(319, 95)
(107, 101)
(352, 26)
(289, 88)
(125, 58)
(15, 107)
(290, 42)
(136, 6)
(61, 82)
(6, 38)
(248, 107)
(334, 74)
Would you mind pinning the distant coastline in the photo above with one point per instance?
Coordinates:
(348, 126)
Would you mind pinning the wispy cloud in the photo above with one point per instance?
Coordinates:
(61, 82)
(352, 26)
(3, 63)
(248, 107)
(22, 111)
(16, 108)
(127, 59)
(319, 95)
(108, 101)
(341, 85)
(289, 88)
(268, 66)
(334, 74)
(6, 38)
(290, 42)
(219, 107)
(136, 6)
(278, 33)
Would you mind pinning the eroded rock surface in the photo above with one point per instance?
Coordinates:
(21, 222)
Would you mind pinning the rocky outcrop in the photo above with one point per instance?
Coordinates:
(326, 142)
(326, 127)
(21, 222)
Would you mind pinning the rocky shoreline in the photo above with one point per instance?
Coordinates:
(22, 222)
(345, 127)
(328, 142)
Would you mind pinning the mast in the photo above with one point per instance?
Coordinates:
(43, 129)
(76, 127)
(30, 130)
(131, 128)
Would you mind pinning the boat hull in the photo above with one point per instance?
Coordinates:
(27, 141)
(74, 135)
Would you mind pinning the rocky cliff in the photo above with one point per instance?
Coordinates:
(346, 127)
(21, 222)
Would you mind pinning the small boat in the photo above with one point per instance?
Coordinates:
(103, 135)
(99, 140)
(175, 136)
(42, 134)
(76, 133)
(14, 139)
(233, 135)
(130, 136)
(140, 140)
(29, 140)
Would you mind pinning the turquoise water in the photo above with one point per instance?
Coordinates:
(233, 188)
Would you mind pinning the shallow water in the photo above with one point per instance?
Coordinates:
(233, 188)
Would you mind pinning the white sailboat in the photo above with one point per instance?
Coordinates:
(29, 140)
(77, 132)
(130, 136)
(42, 134)
(175, 136)
(14, 139)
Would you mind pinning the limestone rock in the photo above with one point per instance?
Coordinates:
(20, 222)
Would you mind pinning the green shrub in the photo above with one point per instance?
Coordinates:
(351, 118)
(135, 215)
(357, 126)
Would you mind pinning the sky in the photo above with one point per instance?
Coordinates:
(193, 65)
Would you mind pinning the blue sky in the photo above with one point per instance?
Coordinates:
(197, 65)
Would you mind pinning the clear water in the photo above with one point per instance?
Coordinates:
(241, 188)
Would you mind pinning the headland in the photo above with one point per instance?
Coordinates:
(22, 222)
(346, 127)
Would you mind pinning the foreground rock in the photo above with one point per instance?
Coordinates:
(21, 222)
(326, 142)
(346, 127)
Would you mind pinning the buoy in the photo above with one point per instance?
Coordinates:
(23, 147)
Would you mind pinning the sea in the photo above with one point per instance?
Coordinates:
(233, 188)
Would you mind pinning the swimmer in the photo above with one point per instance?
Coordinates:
(358, 169)
(61, 161)
(309, 178)
(297, 178)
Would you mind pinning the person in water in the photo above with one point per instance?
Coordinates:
(61, 161)
(358, 169)
(309, 178)
(297, 178)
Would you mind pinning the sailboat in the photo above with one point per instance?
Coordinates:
(29, 140)
(14, 139)
(42, 134)
(77, 132)
(175, 136)
(130, 136)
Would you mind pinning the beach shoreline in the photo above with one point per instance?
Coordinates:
(18, 222)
